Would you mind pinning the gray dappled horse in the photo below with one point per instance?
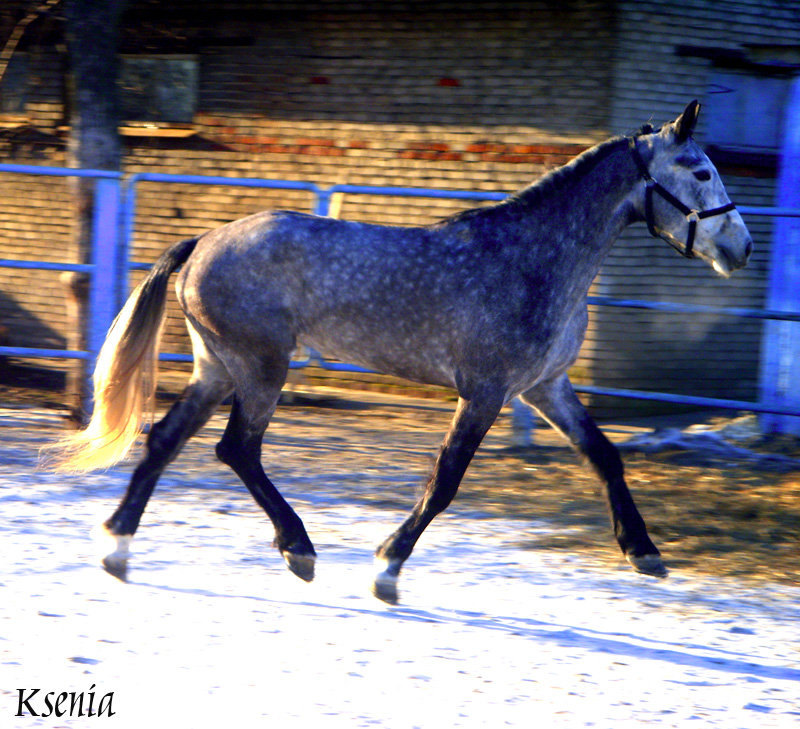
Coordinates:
(491, 302)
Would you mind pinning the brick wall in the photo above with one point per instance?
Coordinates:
(34, 211)
(653, 80)
(470, 95)
(439, 97)
(444, 95)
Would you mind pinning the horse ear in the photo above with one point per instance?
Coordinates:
(685, 123)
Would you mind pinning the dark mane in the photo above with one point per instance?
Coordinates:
(550, 183)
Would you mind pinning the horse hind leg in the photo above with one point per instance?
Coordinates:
(240, 448)
(209, 385)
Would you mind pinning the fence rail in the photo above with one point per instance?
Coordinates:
(115, 212)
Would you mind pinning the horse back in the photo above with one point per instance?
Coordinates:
(429, 304)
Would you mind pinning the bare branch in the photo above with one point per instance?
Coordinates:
(19, 30)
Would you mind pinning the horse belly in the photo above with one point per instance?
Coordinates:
(386, 354)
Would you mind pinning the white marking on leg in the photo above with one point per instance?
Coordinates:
(384, 586)
(111, 548)
(388, 569)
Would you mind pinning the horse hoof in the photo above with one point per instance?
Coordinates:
(648, 564)
(384, 587)
(115, 551)
(300, 564)
(116, 568)
(386, 590)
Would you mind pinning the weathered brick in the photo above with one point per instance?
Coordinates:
(352, 92)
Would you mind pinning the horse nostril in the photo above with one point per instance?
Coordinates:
(748, 249)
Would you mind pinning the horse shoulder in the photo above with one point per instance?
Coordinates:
(566, 346)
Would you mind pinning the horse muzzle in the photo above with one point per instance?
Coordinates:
(728, 257)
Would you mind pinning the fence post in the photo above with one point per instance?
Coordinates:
(322, 205)
(780, 351)
(522, 423)
(104, 282)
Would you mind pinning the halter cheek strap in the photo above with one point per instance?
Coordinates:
(692, 216)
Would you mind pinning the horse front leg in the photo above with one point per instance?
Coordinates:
(472, 420)
(557, 402)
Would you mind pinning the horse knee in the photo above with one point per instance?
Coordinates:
(235, 453)
(167, 436)
(159, 441)
(240, 445)
(607, 461)
(440, 498)
(599, 450)
(225, 453)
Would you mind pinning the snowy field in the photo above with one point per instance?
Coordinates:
(212, 631)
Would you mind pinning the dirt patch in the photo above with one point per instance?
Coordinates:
(730, 520)
(709, 514)
(717, 516)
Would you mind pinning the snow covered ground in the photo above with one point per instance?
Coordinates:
(213, 631)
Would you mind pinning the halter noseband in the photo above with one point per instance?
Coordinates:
(692, 216)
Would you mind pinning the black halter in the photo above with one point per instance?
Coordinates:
(692, 216)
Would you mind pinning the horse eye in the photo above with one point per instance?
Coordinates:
(703, 175)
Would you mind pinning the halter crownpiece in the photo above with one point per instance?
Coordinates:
(653, 186)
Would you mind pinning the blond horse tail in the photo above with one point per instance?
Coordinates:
(125, 375)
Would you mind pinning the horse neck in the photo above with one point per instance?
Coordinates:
(573, 225)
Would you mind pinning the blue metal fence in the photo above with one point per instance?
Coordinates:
(115, 209)
(101, 270)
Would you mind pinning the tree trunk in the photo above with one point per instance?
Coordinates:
(91, 33)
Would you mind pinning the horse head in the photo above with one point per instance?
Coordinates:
(683, 199)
